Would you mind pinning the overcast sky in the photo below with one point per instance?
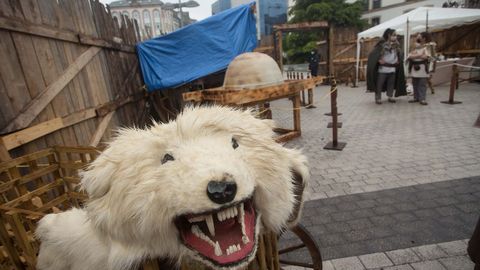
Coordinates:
(199, 13)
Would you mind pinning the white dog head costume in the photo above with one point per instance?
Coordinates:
(202, 186)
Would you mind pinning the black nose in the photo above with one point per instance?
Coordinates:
(221, 191)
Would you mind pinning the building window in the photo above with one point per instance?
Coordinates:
(147, 23)
(156, 22)
(377, 4)
(116, 17)
(375, 21)
(136, 16)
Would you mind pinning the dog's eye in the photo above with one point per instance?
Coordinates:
(167, 158)
(234, 143)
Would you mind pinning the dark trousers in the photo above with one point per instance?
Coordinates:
(389, 80)
(314, 70)
(474, 246)
(419, 88)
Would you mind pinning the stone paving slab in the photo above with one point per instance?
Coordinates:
(388, 145)
(404, 259)
(392, 219)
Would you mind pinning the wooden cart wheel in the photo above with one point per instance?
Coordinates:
(308, 242)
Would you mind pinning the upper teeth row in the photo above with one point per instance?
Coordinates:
(227, 213)
(222, 215)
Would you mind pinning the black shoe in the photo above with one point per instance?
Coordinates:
(391, 100)
(413, 101)
(378, 102)
(423, 102)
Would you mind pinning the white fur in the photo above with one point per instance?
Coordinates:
(134, 198)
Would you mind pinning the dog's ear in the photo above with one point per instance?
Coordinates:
(300, 179)
(96, 180)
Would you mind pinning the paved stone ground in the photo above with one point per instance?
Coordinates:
(388, 145)
(409, 178)
(443, 256)
(379, 221)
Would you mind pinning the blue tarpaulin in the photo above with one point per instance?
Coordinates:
(198, 49)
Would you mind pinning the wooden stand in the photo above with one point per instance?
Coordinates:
(453, 87)
(334, 144)
(260, 96)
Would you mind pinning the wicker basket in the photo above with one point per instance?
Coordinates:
(46, 182)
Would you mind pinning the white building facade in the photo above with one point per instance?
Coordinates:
(380, 11)
(151, 16)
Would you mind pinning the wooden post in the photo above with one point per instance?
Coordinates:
(334, 144)
(280, 50)
(4, 155)
(453, 86)
(310, 99)
(296, 113)
(330, 50)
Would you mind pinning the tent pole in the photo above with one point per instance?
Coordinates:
(426, 24)
(406, 42)
(358, 62)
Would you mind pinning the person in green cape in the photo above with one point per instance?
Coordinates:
(385, 71)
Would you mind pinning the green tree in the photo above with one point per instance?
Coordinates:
(297, 45)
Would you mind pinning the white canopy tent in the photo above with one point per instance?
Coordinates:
(419, 20)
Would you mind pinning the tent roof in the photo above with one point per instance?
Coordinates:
(438, 18)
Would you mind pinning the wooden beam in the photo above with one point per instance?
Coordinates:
(102, 127)
(65, 35)
(344, 50)
(38, 30)
(31, 111)
(104, 109)
(24, 136)
(4, 155)
(301, 26)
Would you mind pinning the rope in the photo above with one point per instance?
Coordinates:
(466, 66)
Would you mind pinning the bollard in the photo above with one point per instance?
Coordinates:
(334, 144)
(453, 86)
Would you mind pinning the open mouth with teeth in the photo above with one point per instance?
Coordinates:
(223, 236)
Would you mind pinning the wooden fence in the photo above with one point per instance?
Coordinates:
(458, 41)
(68, 74)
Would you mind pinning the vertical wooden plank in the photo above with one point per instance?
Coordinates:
(11, 73)
(5, 240)
(7, 112)
(23, 240)
(62, 103)
(4, 155)
(296, 112)
(27, 11)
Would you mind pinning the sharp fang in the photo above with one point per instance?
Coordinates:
(218, 250)
(245, 239)
(211, 227)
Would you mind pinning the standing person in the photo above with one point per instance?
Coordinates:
(313, 63)
(384, 68)
(418, 68)
(473, 248)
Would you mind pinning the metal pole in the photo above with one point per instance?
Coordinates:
(426, 24)
(181, 14)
